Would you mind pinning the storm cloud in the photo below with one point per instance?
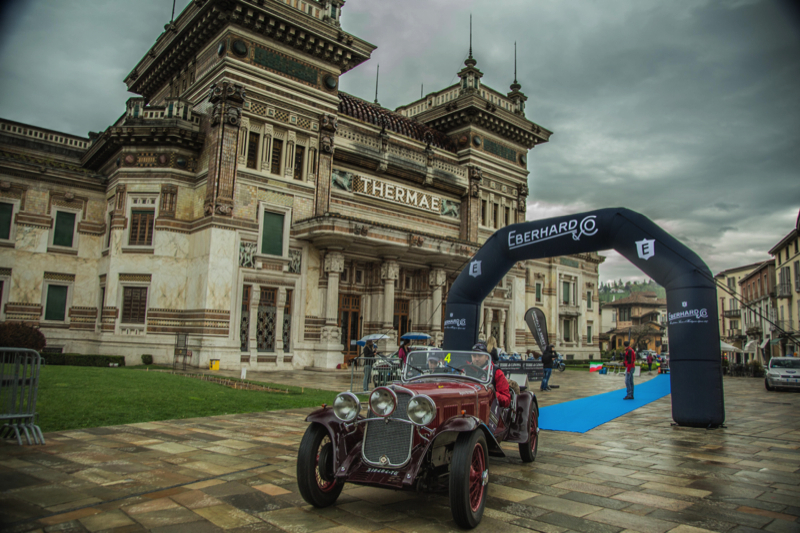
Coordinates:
(684, 111)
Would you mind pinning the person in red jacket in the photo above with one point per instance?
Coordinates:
(481, 360)
(629, 358)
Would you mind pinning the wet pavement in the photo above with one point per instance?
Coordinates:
(237, 473)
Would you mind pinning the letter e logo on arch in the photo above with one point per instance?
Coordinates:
(646, 248)
(475, 269)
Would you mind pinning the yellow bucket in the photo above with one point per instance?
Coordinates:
(213, 364)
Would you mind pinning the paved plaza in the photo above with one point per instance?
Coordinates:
(237, 473)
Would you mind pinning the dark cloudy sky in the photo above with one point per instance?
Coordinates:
(686, 111)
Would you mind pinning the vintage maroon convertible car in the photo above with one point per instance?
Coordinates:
(433, 431)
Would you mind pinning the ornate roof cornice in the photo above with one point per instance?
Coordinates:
(474, 110)
(140, 132)
(203, 19)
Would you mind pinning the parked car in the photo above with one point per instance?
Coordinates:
(385, 369)
(434, 431)
(783, 372)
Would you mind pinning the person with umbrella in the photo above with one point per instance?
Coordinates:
(369, 358)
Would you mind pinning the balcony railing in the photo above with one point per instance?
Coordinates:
(783, 290)
(784, 325)
(731, 313)
(733, 333)
(752, 327)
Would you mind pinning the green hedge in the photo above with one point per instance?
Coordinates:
(76, 359)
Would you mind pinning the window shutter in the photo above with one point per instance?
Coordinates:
(64, 230)
(134, 305)
(5, 220)
(56, 308)
(272, 236)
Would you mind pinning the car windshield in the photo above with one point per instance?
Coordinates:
(447, 363)
(790, 362)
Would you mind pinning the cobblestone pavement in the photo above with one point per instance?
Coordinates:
(237, 473)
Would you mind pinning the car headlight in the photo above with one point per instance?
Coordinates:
(383, 401)
(346, 406)
(421, 410)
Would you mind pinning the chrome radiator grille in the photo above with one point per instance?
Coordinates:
(392, 439)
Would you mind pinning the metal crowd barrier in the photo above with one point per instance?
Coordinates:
(19, 386)
(382, 371)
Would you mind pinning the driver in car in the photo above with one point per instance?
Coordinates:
(433, 362)
(481, 364)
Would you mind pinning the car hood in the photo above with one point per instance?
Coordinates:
(445, 388)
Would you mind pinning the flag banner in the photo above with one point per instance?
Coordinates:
(594, 367)
(537, 323)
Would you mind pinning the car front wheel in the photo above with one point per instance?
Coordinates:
(766, 385)
(469, 476)
(315, 475)
(527, 450)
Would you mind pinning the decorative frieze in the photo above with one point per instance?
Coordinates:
(295, 261)
(23, 312)
(57, 276)
(283, 64)
(135, 278)
(247, 254)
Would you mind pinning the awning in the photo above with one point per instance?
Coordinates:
(764, 344)
(750, 346)
(775, 341)
(725, 347)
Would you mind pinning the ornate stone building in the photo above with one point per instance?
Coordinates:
(242, 199)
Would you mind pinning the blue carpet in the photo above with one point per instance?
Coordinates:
(579, 416)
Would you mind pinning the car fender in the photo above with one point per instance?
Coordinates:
(518, 430)
(343, 436)
(467, 423)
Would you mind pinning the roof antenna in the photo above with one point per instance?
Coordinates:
(470, 35)
(377, 74)
(515, 61)
(172, 19)
(421, 85)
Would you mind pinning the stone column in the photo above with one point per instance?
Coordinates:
(223, 137)
(330, 353)
(487, 323)
(390, 272)
(471, 206)
(322, 199)
(501, 342)
(436, 279)
(255, 296)
(334, 266)
(280, 303)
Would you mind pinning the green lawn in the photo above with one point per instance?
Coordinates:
(72, 397)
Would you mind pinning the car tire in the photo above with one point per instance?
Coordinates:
(313, 488)
(528, 450)
(468, 486)
(766, 386)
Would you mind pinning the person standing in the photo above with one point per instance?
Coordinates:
(649, 362)
(402, 353)
(369, 358)
(547, 365)
(491, 347)
(629, 359)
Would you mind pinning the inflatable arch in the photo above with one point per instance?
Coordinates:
(695, 360)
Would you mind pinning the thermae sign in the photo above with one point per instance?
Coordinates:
(401, 195)
(695, 361)
(587, 226)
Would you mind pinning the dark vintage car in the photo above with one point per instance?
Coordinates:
(433, 431)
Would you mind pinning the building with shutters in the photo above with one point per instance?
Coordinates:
(242, 199)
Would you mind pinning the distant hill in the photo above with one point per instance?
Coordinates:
(616, 290)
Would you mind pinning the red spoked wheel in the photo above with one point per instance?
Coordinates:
(469, 477)
(527, 450)
(315, 475)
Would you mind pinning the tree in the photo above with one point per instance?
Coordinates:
(641, 332)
